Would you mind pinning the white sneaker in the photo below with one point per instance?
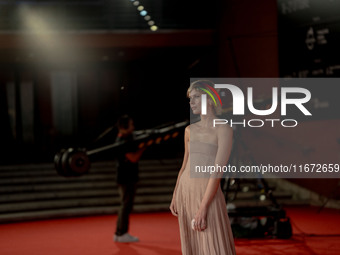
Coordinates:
(126, 238)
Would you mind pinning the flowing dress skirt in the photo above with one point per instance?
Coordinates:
(217, 239)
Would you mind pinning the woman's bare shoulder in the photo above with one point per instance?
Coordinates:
(224, 129)
(191, 126)
(187, 129)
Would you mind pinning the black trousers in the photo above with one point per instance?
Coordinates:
(127, 194)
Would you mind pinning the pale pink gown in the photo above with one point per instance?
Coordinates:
(217, 239)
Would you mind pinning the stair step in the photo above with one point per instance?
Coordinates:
(56, 186)
(92, 177)
(99, 164)
(255, 195)
(249, 203)
(79, 202)
(30, 192)
(76, 212)
(42, 187)
(53, 195)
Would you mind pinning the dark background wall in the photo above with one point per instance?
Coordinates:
(249, 47)
(112, 69)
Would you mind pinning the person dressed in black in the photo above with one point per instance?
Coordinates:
(127, 177)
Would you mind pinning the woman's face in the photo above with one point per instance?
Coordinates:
(195, 101)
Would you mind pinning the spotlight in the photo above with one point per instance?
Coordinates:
(263, 197)
(143, 13)
(154, 28)
(245, 189)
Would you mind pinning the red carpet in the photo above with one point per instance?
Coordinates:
(313, 234)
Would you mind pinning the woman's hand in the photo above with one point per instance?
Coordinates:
(200, 223)
(173, 206)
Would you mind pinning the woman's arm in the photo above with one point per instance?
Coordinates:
(224, 140)
(173, 206)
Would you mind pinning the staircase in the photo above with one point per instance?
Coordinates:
(32, 192)
(252, 193)
(35, 192)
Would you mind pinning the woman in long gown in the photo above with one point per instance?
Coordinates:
(198, 201)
